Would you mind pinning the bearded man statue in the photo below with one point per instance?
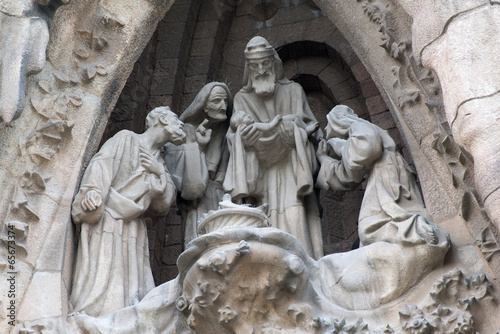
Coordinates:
(275, 168)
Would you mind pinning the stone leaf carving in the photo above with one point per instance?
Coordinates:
(21, 208)
(89, 53)
(24, 34)
(240, 288)
(459, 165)
(488, 243)
(453, 300)
(462, 170)
(30, 184)
(412, 80)
(336, 326)
(57, 105)
(20, 230)
(46, 140)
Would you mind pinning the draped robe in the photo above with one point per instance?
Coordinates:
(282, 176)
(112, 264)
(391, 186)
(394, 256)
(198, 175)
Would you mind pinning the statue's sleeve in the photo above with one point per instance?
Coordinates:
(304, 111)
(188, 167)
(161, 205)
(364, 146)
(99, 176)
(235, 181)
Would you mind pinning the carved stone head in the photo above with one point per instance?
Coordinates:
(216, 104)
(213, 101)
(263, 67)
(339, 120)
(172, 126)
(240, 117)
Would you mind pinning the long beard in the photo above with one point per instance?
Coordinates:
(264, 85)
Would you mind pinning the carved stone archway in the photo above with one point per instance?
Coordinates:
(45, 150)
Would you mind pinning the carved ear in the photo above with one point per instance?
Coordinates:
(163, 119)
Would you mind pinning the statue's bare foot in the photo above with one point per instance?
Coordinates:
(426, 230)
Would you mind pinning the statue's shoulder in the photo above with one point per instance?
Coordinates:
(125, 134)
(242, 95)
(242, 92)
(292, 85)
(122, 136)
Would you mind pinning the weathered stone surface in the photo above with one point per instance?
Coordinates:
(43, 150)
(426, 31)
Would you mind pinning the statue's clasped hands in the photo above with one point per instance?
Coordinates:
(337, 144)
(322, 151)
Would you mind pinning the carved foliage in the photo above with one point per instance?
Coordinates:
(58, 106)
(336, 326)
(93, 43)
(461, 168)
(459, 165)
(453, 300)
(488, 244)
(239, 289)
(30, 185)
(412, 80)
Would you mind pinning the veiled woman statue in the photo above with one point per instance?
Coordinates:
(399, 244)
(198, 167)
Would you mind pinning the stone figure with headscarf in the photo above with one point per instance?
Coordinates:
(392, 209)
(399, 244)
(281, 170)
(198, 167)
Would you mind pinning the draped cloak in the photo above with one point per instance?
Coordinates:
(198, 175)
(277, 170)
(394, 256)
(112, 265)
(391, 190)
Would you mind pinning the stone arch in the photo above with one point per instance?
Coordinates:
(414, 103)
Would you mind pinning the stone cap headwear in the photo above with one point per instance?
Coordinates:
(258, 47)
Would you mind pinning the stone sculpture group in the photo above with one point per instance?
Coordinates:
(264, 150)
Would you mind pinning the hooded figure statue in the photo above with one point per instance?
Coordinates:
(198, 167)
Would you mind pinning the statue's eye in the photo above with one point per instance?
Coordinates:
(254, 65)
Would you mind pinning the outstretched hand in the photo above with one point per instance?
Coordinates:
(91, 201)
